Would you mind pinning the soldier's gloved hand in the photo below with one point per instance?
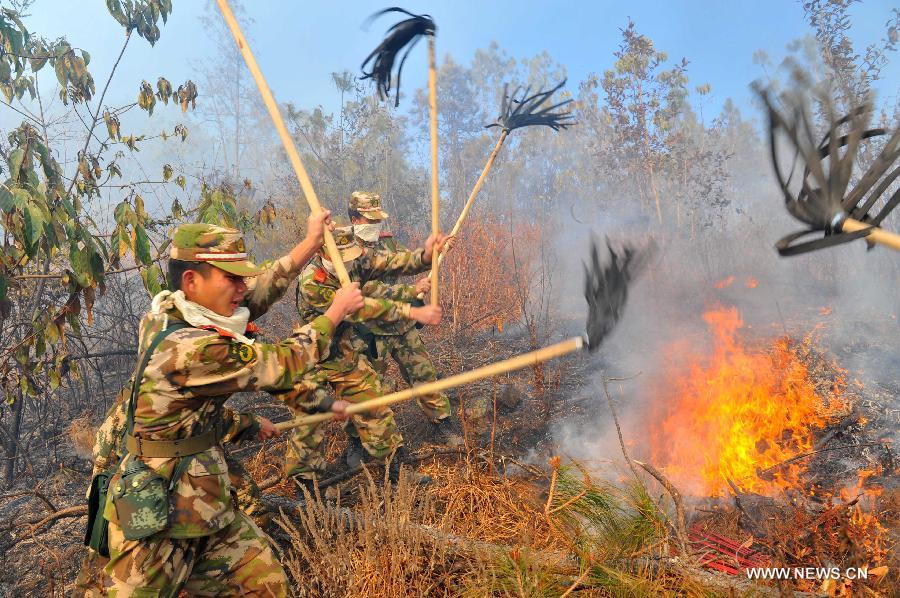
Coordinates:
(315, 227)
(267, 429)
(423, 285)
(346, 301)
(339, 408)
(427, 314)
(431, 243)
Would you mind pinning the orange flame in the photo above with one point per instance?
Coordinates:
(735, 413)
(724, 283)
(751, 283)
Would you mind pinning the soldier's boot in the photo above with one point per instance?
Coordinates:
(400, 455)
(442, 433)
(355, 453)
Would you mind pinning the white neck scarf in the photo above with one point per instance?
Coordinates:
(329, 266)
(368, 232)
(199, 316)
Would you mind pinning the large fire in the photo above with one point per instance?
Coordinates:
(735, 413)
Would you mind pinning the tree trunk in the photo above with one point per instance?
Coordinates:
(12, 445)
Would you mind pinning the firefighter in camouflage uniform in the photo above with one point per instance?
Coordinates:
(400, 341)
(173, 524)
(348, 371)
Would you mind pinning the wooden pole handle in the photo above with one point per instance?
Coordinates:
(876, 235)
(472, 195)
(435, 173)
(494, 369)
(289, 147)
(479, 183)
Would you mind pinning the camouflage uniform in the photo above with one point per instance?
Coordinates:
(348, 371)
(207, 547)
(400, 340)
(109, 447)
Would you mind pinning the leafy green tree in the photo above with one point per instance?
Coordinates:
(56, 255)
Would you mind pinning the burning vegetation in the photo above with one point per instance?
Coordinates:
(729, 418)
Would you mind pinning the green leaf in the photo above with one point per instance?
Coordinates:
(86, 57)
(7, 200)
(112, 125)
(142, 246)
(163, 90)
(115, 9)
(151, 277)
(54, 378)
(120, 213)
(139, 209)
(34, 222)
(4, 287)
(81, 266)
(180, 181)
(16, 157)
(167, 172)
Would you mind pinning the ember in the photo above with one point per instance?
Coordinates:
(730, 415)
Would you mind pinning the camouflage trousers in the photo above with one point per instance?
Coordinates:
(246, 494)
(415, 366)
(235, 561)
(376, 429)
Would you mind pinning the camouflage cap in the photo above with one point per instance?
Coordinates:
(346, 243)
(216, 245)
(368, 204)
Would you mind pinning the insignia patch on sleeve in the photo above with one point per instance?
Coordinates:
(243, 353)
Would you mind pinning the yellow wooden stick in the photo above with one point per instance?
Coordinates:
(286, 140)
(876, 235)
(478, 184)
(494, 369)
(435, 196)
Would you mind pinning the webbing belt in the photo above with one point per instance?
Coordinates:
(171, 448)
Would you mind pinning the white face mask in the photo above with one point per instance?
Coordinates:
(368, 232)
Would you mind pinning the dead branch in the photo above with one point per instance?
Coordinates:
(680, 521)
(615, 417)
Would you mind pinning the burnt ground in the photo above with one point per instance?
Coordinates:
(42, 557)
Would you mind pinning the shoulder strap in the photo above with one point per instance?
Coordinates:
(139, 373)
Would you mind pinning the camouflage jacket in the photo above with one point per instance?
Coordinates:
(185, 385)
(388, 287)
(384, 305)
(109, 441)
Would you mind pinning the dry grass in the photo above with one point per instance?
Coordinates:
(472, 533)
(380, 548)
(496, 509)
(82, 433)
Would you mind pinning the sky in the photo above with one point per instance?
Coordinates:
(299, 43)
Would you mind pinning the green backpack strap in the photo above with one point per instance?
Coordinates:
(96, 535)
(139, 373)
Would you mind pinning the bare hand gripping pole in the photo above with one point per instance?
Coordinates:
(269, 100)
(606, 291)
(827, 197)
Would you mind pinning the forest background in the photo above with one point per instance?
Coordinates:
(100, 163)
